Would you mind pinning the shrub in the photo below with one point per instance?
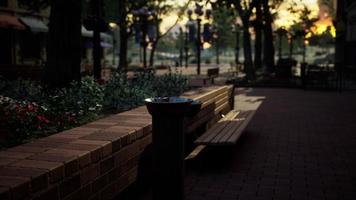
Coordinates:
(21, 89)
(22, 118)
(77, 104)
(121, 94)
(171, 84)
(28, 111)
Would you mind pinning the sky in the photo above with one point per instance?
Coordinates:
(284, 18)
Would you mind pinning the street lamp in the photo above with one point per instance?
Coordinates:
(199, 12)
(236, 28)
(142, 17)
(113, 28)
(216, 34)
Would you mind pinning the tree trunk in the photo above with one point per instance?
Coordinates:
(64, 43)
(258, 31)
(123, 65)
(152, 54)
(248, 64)
(268, 51)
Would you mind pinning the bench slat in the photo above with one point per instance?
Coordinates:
(237, 123)
(237, 134)
(221, 108)
(228, 130)
(211, 133)
(212, 94)
(217, 128)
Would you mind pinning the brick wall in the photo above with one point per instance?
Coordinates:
(97, 160)
(94, 161)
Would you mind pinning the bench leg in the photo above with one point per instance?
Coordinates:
(212, 81)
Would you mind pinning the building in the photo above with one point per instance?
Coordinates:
(22, 39)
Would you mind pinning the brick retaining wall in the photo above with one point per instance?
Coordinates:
(94, 161)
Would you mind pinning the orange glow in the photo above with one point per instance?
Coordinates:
(322, 25)
(206, 45)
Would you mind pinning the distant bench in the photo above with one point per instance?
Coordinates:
(211, 74)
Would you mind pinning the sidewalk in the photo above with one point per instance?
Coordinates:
(300, 145)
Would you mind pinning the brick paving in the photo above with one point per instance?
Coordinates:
(300, 145)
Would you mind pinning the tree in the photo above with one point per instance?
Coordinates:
(258, 26)
(305, 22)
(268, 50)
(125, 21)
(124, 9)
(244, 9)
(223, 18)
(161, 9)
(64, 39)
(64, 43)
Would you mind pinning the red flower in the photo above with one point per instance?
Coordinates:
(42, 119)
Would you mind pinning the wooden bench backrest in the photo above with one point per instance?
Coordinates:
(213, 72)
(215, 102)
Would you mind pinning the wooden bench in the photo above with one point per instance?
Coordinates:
(211, 74)
(216, 101)
(229, 129)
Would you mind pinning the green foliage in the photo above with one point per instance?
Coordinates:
(223, 20)
(29, 111)
(77, 104)
(118, 93)
(122, 94)
(171, 84)
(21, 89)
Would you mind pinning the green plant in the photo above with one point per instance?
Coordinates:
(21, 89)
(121, 94)
(171, 84)
(77, 104)
(22, 118)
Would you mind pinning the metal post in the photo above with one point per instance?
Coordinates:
(113, 50)
(280, 47)
(304, 49)
(181, 44)
(237, 47)
(144, 42)
(217, 50)
(198, 45)
(186, 47)
(96, 52)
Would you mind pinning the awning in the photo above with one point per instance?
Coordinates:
(86, 33)
(8, 21)
(35, 24)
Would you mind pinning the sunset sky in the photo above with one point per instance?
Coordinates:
(285, 18)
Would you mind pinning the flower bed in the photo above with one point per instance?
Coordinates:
(28, 111)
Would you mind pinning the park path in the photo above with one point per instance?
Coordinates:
(299, 145)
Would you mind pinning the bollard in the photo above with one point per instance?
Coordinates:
(303, 69)
(168, 144)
